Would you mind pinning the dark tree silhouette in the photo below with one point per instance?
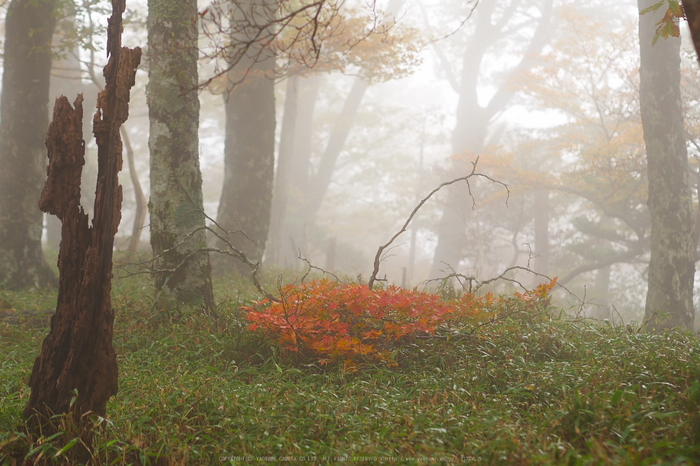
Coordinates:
(29, 27)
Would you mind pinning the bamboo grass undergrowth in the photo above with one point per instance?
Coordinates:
(529, 388)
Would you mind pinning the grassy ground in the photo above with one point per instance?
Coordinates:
(530, 388)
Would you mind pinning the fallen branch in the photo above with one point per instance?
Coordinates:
(503, 277)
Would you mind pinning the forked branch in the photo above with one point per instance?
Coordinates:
(472, 174)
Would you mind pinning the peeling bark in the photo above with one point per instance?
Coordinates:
(77, 354)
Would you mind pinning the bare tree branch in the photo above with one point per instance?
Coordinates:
(472, 174)
(311, 266)
(244, 33)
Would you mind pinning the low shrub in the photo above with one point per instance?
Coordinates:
(332, 321)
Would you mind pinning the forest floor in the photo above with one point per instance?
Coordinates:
(530, 388)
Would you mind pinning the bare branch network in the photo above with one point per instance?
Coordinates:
(240, 34)
(229, 249)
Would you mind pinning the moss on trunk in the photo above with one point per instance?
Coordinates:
(182, 271)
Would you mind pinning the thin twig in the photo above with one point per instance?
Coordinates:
(311, 266)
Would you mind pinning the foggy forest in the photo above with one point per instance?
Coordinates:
(366, 231)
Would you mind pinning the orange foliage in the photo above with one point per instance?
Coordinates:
(333, 321)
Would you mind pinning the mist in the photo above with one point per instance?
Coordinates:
(544, 96)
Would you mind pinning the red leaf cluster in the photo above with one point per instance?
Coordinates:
(332, 321)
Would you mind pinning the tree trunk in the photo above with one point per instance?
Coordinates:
(249, 153)
(541, 231)
(29, 27)
(77, 354)
(305, 190)
(293, 167)
(182, 272)
(692, 13)
(139, 198)
(339, 135)
(599, 296)
(285, 160)
(669, 300)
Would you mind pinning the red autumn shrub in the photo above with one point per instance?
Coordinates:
(332, 321)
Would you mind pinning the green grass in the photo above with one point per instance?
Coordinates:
(529, 388)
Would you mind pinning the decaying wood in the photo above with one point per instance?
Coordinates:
(77, 354)
(691, 9)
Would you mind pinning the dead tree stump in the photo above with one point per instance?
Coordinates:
(77, 354)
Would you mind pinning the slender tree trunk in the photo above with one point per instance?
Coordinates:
(29, 27)
(318, 186)
(346, 120)
(600, 294)
(139, 198)
(306, 190)
(292, 174)
(669, 300)
(468, 139)
(182, 271)
(281, 181)
(542, 231)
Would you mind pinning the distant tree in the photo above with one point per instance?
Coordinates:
(249, 153)
(597, 155)
(496, 24)
(266, 39)
(29, 27)
(182, 271)
(669, 300)
(301, 183)
(286, 228)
